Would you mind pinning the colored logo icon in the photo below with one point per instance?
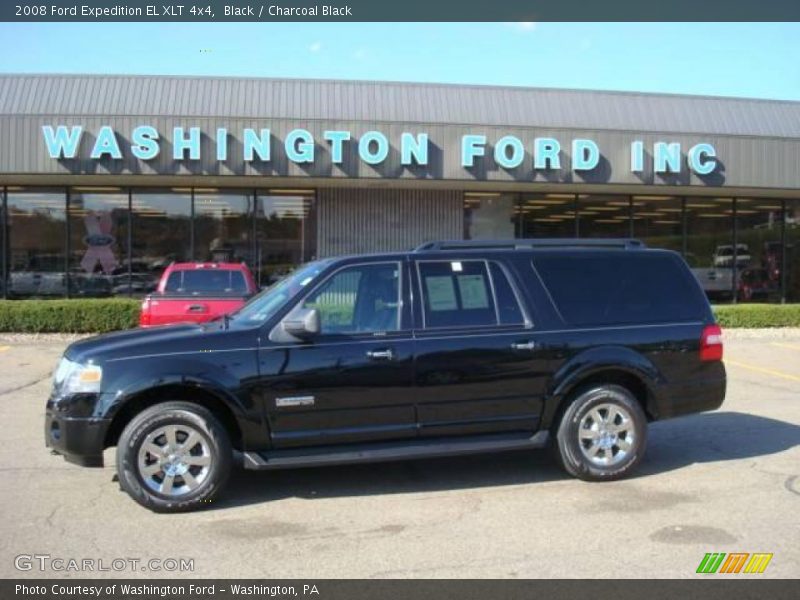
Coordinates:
(735, 562)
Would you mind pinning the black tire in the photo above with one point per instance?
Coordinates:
(570, 444)
(183, 416)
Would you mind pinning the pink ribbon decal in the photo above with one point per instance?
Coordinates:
(98, 241)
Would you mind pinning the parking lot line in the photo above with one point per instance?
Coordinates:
(783, 345)
(757, 369)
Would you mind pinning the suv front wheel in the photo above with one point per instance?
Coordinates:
(174, 456)
(603, 433)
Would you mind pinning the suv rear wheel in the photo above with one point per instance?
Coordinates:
(174, 457)
(603, 433)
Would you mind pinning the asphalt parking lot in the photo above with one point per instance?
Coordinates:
(727, 481)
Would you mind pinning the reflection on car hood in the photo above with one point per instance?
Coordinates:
(102, 346)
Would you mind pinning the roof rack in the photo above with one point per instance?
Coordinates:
(524, 244)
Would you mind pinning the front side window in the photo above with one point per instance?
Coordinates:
(359, 299)
(457, 294)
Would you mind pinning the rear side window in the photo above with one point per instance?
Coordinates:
(457, 294)
(204, 281)
(621, 288)
(508, 308)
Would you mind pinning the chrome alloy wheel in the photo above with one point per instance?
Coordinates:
(174, 460)
(606, 434)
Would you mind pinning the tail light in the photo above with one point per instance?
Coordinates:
(711, 343)
(144, 314)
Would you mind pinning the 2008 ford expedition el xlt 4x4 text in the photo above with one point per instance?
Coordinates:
(453, 348)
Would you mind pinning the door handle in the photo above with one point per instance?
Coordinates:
(529, 345)
(386, 354)
(196, 308)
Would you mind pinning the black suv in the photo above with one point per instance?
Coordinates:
(453, 348)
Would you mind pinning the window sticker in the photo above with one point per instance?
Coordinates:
(441, 293)
(456, 266)
(473, 292)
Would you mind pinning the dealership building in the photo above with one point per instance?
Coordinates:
(105, 180)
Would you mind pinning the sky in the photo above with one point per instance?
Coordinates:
(757, 60)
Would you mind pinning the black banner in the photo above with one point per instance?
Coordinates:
(712, 588)
(401, 10)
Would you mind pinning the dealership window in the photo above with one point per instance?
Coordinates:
(98, 242)
(223, 228)
(286, 233)
(489, 215)
(658, 221)
(604, 216)
(759, 225)
(792, 250)
(709, 245)
(161, 224)
(35, 229)
(547, 216)
(3, 247)
(279, 232)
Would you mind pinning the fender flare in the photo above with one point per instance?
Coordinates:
(139, 386)
(584, 365)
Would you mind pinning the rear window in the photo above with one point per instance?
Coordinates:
(621, 288)
(203, 281)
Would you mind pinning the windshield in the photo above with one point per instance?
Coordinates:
(262, 306)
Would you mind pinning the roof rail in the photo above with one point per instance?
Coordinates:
(525, 243)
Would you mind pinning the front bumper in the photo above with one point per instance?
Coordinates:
(79, 440)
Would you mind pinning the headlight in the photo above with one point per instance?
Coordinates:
(62, 370)
(74, 378)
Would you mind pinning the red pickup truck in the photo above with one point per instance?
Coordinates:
(197, 292)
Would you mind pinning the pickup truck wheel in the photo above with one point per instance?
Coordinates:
(174, 457)
(603, 433)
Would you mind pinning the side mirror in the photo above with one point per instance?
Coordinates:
(302, 323)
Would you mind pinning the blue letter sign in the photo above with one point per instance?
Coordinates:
(180, 143)
(62, 144)
(144, 144)
(701, 159)
(585, 155)
(373, 147)
(472, 146)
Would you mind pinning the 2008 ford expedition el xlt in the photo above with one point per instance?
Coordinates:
(453, 348)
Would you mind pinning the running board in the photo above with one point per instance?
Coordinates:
(385, 451)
